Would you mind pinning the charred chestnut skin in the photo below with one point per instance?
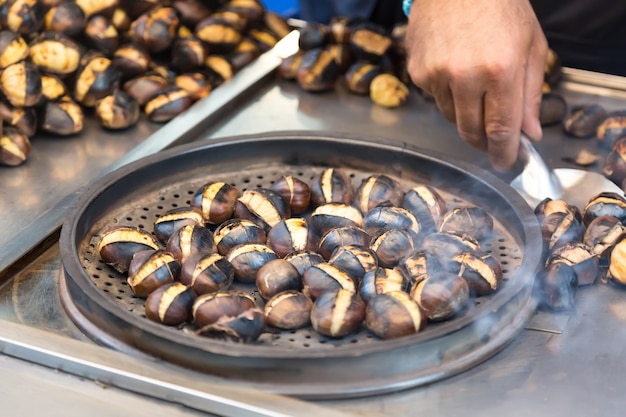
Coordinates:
(446, 245)
(481, 270)
(216, 200)
(13, 48)
(118, 244)
(207, 273)
(131, 60)
(295, 192)
(342, 236)
(382, 218)
(337, 314)
(322, 278)
(288, 310)
(66, 18)
(95, 80)
(276, 276)
(605, 204)
(63, 117)
(188, 54)
(614, 167)
(291, 235)
(21, 84)
(219, 34)
(611, 129)
(145, 86)
(382, 280)
(557, 286)
(370, 42)
(304, 259)
(190, 240)
(473, 221)
(14, 147)
(22, 16)
(288, 68)
(168, 223)
(375, 190)
(392, 315)
(441, 295)
(318, 71)
(209, 308)
(552, 110)
(102, 34)
(235, 232)
(170, 304)
(248, 258)
(167, 104)
(24, 118)
(359, 77)
(332, 185)
(560, 228)
(427, 205)
(355, 260)
(391, 246)
(117, 111)
(419, 265)
(334, 215)
(602, 234)
(55, 53)
(579, 256)
(151, 269)
(583, 121)
(156, 29)
(262, 206)
(245, 327)
(194, 83)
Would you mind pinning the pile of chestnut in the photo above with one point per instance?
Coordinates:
(366, 57)
(62, 58)
(329, 253)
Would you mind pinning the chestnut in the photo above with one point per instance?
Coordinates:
(382, 280)
(167, 104)
(548, 206)
(252, 10)
(290, 235)
(605, 204)
(188, 53)
(359, 77)
(168, 223)
(276, 24)
(419, 265)
(318, 71)
(102, 34)
(617, 264)
(390, 246)
(288, 68)
(342, 236)
(209, 308)
(131, 60)
(481, 270)
(190, 240)
(441, 295)
(239, 21)
(22, 16)
(332, 185)
(14, 147)
(156, 29)
(304, 259)
(355, 260)
(264, 39)
(325, 277)
(370, 42)
(262, 206)
(219, 34)
(21, 84)
(398, 38)
(22, 118)
(216, 200)
(117, 111)
(394, 314)
(121, 20)
(13, 48)
(95, 80)
(55, 53)
(245, 327)
(382, 218)
(145, 86)
(288, 310)
(235, 232)
(614, 167)
(295, 192)
(387, 90)
(313, 35)
(583, 120)
(150, 269)
(194, 83)
(473, 221)
(553, 68)
(557, 286)
(611, 129)
(170, 304)
(118, 244)
(207, 273)
(552, 110)
(248, 258)
(445, 245)
(334, 215)
(276, 276)
(560, 228)
(375, 190)
(580, 258)
(97, 7)
(67, 18)
(340, 29)
(426, 204)
(219, 68)
(63, 117)
(338, 313)
(52, 88)
(602, 234)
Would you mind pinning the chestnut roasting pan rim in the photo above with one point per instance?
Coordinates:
(81, 216)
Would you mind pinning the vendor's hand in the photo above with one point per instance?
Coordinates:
(483, 62)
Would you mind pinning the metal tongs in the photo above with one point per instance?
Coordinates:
(537, 181)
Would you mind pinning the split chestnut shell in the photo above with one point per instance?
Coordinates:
(216, 200)
(118, 244)
(170, 304)
(288, 310)
(248, 258)
(209, 308)
(375, 190)
(394, 314)
(207, 273)
(235, 232)
(151, 269)
(262, 206)
(338, 313)
(332, 185)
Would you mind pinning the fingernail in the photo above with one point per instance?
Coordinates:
(537, 132)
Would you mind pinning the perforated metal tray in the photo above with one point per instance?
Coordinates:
(301, 362)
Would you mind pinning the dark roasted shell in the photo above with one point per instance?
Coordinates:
(248, 258)
(602, 234)
(392, 315)
(262, 206)
(21, 84)
(151, 269)
(288, 68)
(276, 276)
(13, 48)
(14, 147)
(318, 71)
(605, 204)
(560, 228)
(207, 273)
(118, 244)
(170, 304)
(156, 29)
(245, 327)
(22, 16)
(216, 200)
(583, 121)
(117, 111)
(167, 104)
(427, 206)
(22, 118)
(66, 18)
(580, 258)
(63, 117)
(473, 221)
(359, 76)
(390, 246)
(209, 308)
(557, 286)
(446, 245)
(169, 222)
(332, 185)
(194, 83)
(291, 235)
(333, 215)
(375, 190)
(611, 129)
(382, 218)
(288, 310)
(95, 80)
(219, 34)
(188, 54)
(342, 236)
(356, 260)
(131, 60)
(442, 295)
(481, 270)
(55, 53)
(419, 265)
(191, 240)
(235, 232)
(382, 280)
(370, 42)
(145, 86)
(552, 110)
(338, 313)
(304, 259)
(295, 192)
(102, 34)
(324, 277)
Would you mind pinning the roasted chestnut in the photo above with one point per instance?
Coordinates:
(167, 104)
(143, 87)
(219, 68)
(121, 20)
(52, 88)
(605, 204)
(252, 10)
(481, 270)
(248, 258)
(168, 223)
(304, 259)
(276, 24)
(441, 295)
(338, 313)
(549, 206)
(14, 147)
(583, 121)
(394, 314)
(66, 18)
(427, 206)
(580, 258)
(22, 16)
(216, 200)
(117, 111)
(560, 228)
(288, 310)
(22, 118)
(557, 286)
(194, 83)
(21, 84)
(189, 240)
(318, 71)
(95, 80)
(219, 34)
(188, 54)
(473, 221)
(209, 308)
(94, 7)
(291, 235)
(313, 35)
(55, 53)
(156, 29)
(276, 276)
(170, 304)
(602, 235)
(332, 185)
(342, 236)
(151, 269)
(552, 110)
(235, 232)
(288, 68)
(191, 11)
(419, 265)
(262, 206)
(382, 280)
(611, 129)
(445, 245)
(355, 260)
(325, 277)
(334, 215)
(245, 327)
(390, 246)
(340, 29)
(239, 21)
(387, 90)
(370, 42)
(102, 34)
(13, 48)
(359, 76)
(118, 244)
(382, 218)
(207, 273)
(264, 39)
(615, 163)
(63, 117)
(295, 192)
(375, 190)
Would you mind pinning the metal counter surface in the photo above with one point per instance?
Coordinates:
(563, 364)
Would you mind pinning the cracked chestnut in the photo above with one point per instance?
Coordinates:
(295, 192)
(194, 83)
(235, 232)
(473, 221)
(13, 48)
(579, 256)
(390, 246)
(291, 235)
(167, 104)
(359, 76)
(14, 147)
(276, 276)
(63, 117)
(387, 90)
(97, 7)
(209, 308)
(481, 270)
(445, 245)
(22, 16)
(131, 60)
(605, 204)
(611, 129)
(52, 88)
(583, 121)
(318, 71)
(118, 244)
(304, 259)
(355, 260)
(342, 236)
(145, 86)
(66, 18)
(338, 313)
(370, 42)
(557, 286)
(288, 310)
(549, 206)
(219, 34)
(245, 327)
(262, 206)
(394, 314)
(216, 200)
(324, 277)
(21, 84)
(55, 53)
(97, 79)
(22, 118)
(170, 304)
(382, 280)
(248, 258)
(427, 206)
(332, 185)
(560, 228)
(441, 295)
(382, 218)
(334, 215)
(102, 35)
(419, 265)
(602, 235)
(188, 54)
(207, 273)
(117, 111)
(375, 190)
(614, 167)
(151, 269)
(169, 222)
(191, 239)
(156, 29)
(288, 68)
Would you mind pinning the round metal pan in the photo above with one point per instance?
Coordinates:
(300, 363)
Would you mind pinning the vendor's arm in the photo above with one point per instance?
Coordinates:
(483, 61)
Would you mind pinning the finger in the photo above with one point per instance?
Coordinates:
(503, 118)
(445, 102)
(533, 83)
(469, 112)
